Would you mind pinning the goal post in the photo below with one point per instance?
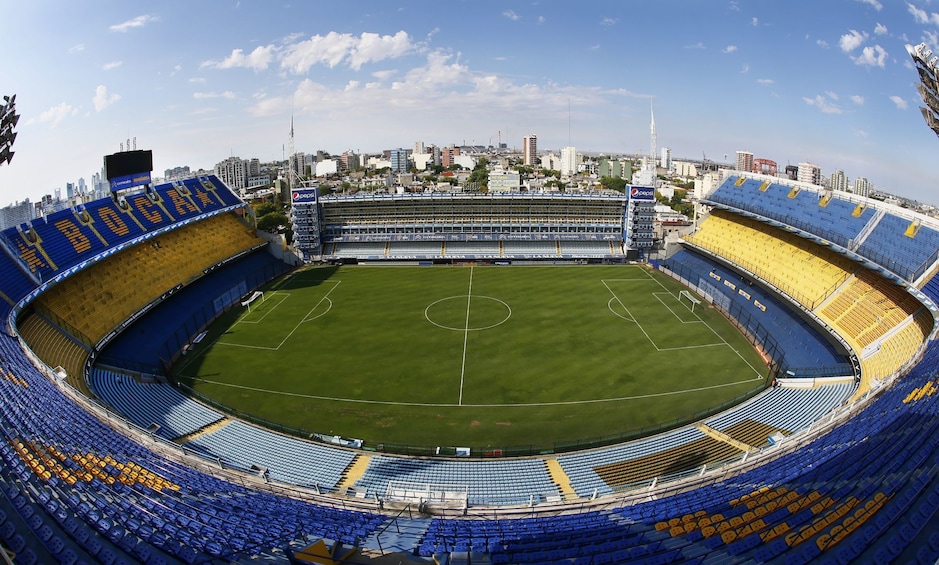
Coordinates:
(690, 297)
(258, 294)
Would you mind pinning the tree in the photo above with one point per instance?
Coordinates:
(272, 222)
(264, 209)
(613, 183)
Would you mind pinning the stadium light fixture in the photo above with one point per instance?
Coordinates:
(8, 120)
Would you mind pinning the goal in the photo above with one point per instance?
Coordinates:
(691, 299)
(258, 294)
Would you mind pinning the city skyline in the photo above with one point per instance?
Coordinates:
(200, 82)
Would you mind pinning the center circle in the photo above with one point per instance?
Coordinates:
(468, 313)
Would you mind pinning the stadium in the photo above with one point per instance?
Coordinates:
(108, 459)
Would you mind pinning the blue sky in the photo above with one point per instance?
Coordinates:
(196, 81)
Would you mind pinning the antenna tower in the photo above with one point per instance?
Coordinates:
(652, 143)
(292, 155)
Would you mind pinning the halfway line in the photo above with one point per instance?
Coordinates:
(469, 297)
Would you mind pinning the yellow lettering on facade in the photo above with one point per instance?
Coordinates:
(113, 220)
(148, 209)
(74, 235)
(183, 205)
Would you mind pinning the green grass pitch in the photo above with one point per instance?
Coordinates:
(488, 357)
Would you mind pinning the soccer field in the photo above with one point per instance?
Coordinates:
(488, 357)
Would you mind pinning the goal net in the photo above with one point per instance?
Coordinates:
(256, 295)
(692, 301)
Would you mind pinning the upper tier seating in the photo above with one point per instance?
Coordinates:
(897, 243)
(52, 245)
(96, 300)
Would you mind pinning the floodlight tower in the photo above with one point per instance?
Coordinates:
(8, 121)
(928, 86)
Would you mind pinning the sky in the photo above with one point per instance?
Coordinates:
(828, 82)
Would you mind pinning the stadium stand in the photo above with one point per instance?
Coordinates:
(860, 483)
(473, 226)
(887, 236)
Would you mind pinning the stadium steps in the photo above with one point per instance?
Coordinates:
(824, 303)
(354, 472)
(560, 478)
(721, 436)
(216, 425)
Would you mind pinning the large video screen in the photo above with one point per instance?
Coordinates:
(128, 168)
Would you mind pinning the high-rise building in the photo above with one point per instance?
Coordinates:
(448, 155)
(233, 172)
(568, 161)
(530, 150)
(744, 161)
(16, 214)
(419, 147)
(399, 160)
(809, 173)
(838, 181)
(862, 187)
(666, 162)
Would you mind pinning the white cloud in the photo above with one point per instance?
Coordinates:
(755, 22)
(197, 80)
(76, 48)
(697, 45)
(857, 99)
(334, 49)
(832, 95)
(822, 43)
(872, 57)
(102, 99)
(729, 49)
(745, 69)
(139, 21)
(899, 102)
(206, 95)
(511, 15)
(765, 81)
(259, 59)
(54, 115)
(822, 104)
(607, 21)
(861, 133)
(540, 19)
(873, 3)
(734, 5)
(851, 41)
(921, 16)
(111, 65)
(880, 29)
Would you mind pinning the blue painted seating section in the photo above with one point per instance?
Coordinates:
(803, 345)
(909, 257)
(288, 459)
(206, 518)
(67, 237)
(14, 284)
(504, 482)
(834, 222)
(786, 408)
(152, 403)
